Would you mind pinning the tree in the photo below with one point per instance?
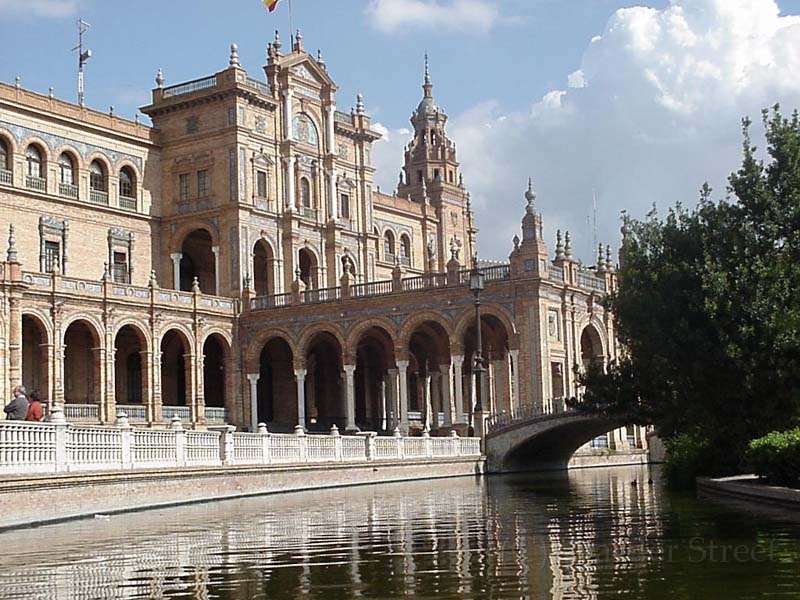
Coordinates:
(708, 309)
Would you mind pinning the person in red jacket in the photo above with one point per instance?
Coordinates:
(35, 412)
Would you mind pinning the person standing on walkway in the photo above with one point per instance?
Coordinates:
(17, 409)
(35, 412)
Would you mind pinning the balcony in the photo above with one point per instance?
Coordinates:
(98, 197)
(127, 203)
(310, 213)
(36, 183)
(67, 190)
(6, 177)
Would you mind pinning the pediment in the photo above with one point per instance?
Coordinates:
(305, 68)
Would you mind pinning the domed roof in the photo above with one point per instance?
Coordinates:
(428, 106)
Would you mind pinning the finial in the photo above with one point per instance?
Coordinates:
(609, 264)
(247, 281)
(111, 111)
(195, 285)
(17, 81)
(160, 78)
(50, 92)
(276, 43)
(625, 230)
(461, 180)
(11, 255)
(567, 245)
(516, 242)
(153, 279)
(105, 276)
(234, 59)
(359, 104)
(427, 71)
(601, 263)
(297, 274)
(530, 197)
(298, 38)
(321, 60)
(400, 179)
(453, 249)
(559, 246)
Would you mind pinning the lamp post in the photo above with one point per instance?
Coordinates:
(476, 285)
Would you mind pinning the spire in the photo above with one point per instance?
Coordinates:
(427, 85)
(559, 246)
(233, 61)
(427, 106)
(530, 196)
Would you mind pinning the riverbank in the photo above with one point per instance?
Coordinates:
(39, 499)
(750, 490)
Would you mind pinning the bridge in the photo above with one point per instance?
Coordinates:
(531, 439)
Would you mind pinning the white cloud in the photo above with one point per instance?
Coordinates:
(657, 113)
(394, 15)
(38, 8)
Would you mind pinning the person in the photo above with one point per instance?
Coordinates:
(17, 409)
(35, 411)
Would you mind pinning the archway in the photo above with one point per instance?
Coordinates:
(175, 378)
(497, 389)
(375, 402)
(130, 369)
(591, 347)
(215, 351)
(324, 393)
(263, 269)
(277, 391)
(82, 379)
(198, 260)
(35, 357)
(309, 270)
(429, 350)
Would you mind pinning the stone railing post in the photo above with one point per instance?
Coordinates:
(226, 450)
(180, 440)
(369, 444)
(398, 438)
(62, 430)
(337, 443)
(126, 437)
(456, 441)
(426, 440)
(303, 443)
(266, 447)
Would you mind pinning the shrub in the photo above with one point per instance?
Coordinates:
(776, 457)
(688, 456)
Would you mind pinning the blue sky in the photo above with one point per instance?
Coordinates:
(629, 103)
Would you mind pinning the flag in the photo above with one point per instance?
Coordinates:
(271, 4)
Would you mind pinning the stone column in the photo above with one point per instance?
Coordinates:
(176, 269)
(330, 141)
(458, 365)
(146, 357)
(382, 423)
(436, 398)
(190, 370)
(350, 397)
(157, 399)
(98, 392)
(334, 215)
(402, 417)
(392, 397)
(514, 400)
(445, 387)
(215, 250)
(253, 379)
(500, 368)
(426, 404)
(300, 376)
(288, 163)
(14, 342)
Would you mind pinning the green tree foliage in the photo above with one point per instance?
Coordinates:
(708, 309)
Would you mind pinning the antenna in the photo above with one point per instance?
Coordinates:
(83, 56)
(594, 218)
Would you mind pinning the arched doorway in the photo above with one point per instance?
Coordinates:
(277, 391)
(591, 347)
(496, 393)
(263, 269)
(324, 389)
(82, 379)
(130, 370)
(175, 374)
(375, 399)
(214, 375)
(309, 271)
(35, 356)
(197, 260)
(429, 351)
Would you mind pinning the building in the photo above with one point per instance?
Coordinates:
(233, 262)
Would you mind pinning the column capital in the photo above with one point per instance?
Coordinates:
(403, 364)
(349, 369)
(176, 255)
(253, 377)
(288, 92)
(444, 369)
(215, 250)
(300, 373)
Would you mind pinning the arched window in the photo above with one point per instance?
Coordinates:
(34, 160)
(66, 169)
(127, 186)
(388, 246)
(305, 192)
(405, 250)
(97, 177)
(3, 156)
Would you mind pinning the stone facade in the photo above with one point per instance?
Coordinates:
(233, 261)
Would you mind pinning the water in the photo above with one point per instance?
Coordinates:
(589, 534)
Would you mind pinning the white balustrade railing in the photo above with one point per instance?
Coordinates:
(59, 446)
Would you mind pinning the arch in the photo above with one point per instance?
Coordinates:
(323, 384)
(592, 348)
(35, 161)
(355, 334)
(36, 355)
(10, 141)
(415, 320)
(428, 348)
(466, 320)
(95, 326)
(5, 155)
(375, 408)
(98, 175)
(308, 264)
(388, 246)
(131, 383)
(306, 338)
(175, 346)
(177, 237)
(305, 129)
(82, 364)
(264, 267)
(404, 249)
(305, 193)
(276, 389)
(261, 338)
(198, 260)
(67, 168)
(216, 356)
(127, 183)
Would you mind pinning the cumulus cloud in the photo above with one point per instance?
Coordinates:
(651, 113)
(394, 15)
(38, 8)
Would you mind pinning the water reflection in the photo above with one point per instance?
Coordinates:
(589, 534)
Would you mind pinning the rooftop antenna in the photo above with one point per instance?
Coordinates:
(83, 56)
(594, 218)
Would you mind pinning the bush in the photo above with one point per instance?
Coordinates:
(776, 457)
(688, 456)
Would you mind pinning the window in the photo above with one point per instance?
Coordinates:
(419, 176)
(183, 186)
(34, 162)
(305, 192)
(66, 169)
(119, 270)
(450, 176)
(3, 155)
(203, 187)
(345, 206)
(437, 174)
(52, 256)
(405, 250)
(97, 177)
(388, 246)
(261, 184)
(126, 183)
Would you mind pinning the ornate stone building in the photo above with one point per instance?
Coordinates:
(233, 262)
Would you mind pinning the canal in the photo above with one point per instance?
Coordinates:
(586, 534)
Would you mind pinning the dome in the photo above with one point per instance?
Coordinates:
(428, 106)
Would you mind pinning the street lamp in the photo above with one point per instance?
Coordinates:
(476, 285)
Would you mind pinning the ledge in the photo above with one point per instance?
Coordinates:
(749, 489)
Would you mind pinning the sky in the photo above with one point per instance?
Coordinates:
(606, 105)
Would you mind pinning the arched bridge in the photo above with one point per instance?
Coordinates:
(531, 440)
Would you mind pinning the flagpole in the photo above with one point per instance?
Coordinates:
(291, 29)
